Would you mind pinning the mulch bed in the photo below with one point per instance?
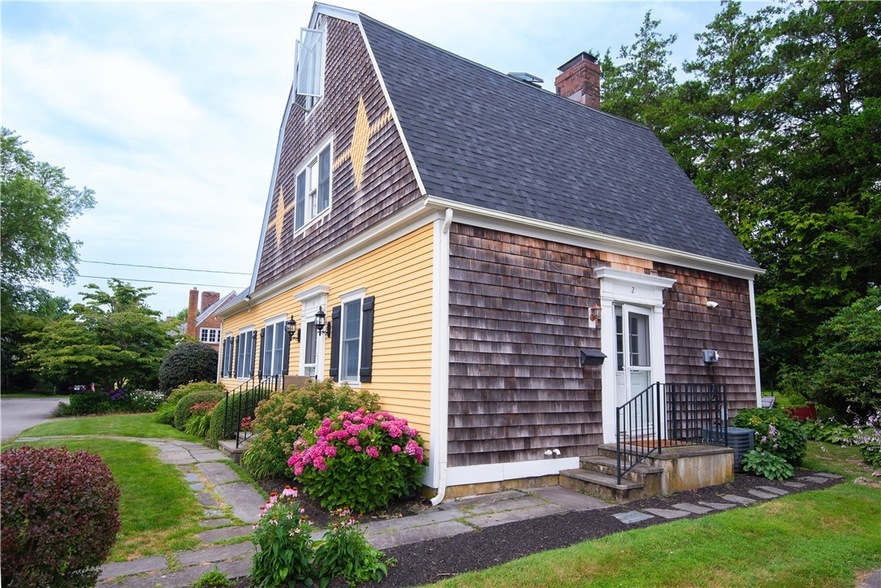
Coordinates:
(431, 561)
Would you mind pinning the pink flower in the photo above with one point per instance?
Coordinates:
(394, 431)
(298, 469)
(357, 448)
(352, 441)
(319, 464)
(330, 451)
(396, 449)
(412, 448)
(372, 451)
(289, 492)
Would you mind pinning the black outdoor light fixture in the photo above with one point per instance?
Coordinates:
(320, 322)
(290, 327)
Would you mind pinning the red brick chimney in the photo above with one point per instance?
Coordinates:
(191, 312)
(579, 80)
(208, 298)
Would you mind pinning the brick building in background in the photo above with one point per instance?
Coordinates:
(203, 324)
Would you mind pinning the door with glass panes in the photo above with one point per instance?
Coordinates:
(633, 352)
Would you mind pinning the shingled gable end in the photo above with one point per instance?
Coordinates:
(470, 238)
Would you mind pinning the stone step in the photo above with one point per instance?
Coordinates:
(642, 473)
(601, 485)
(229, 449)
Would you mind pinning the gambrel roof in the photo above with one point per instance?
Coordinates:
(481, 138)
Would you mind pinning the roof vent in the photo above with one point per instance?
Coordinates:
(522, 76)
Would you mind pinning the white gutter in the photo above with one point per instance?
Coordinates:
(440, 357)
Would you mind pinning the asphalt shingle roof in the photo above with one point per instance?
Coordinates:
(482, 138)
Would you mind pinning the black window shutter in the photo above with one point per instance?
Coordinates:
(253, 341)
(262, 349)
(223, 359)
(324, 179)
(335, 316)
(237, 344)
(286, 355)
(366, 372)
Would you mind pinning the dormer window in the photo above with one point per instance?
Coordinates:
(309, 72)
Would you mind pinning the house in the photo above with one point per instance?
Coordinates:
(203, 323)
(503, 265)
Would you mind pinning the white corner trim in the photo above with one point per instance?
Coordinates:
(755, 328)
(499, 472)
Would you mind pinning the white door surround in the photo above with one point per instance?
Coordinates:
(619, 287)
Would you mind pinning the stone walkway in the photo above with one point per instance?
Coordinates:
(232, 506)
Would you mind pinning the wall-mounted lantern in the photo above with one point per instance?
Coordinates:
(594, 315)
(592, 357)
(290, 327)
(321, 324)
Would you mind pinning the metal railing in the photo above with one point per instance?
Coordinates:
(241, 403)
(669, 415)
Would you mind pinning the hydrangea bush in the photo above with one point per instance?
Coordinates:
(59, 516)
(360, 460)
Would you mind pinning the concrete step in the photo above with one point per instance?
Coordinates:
(229, 449)
(601, 485)
(642, 473)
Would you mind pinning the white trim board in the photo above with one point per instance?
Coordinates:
(515, 470)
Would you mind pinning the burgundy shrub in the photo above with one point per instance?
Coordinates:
(59, 516)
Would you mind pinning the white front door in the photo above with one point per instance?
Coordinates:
(633, 352)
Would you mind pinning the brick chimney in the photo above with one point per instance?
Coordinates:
(192, 310)
(579, 80)
(208, 298)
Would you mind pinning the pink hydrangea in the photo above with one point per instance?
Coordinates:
(396, 449)
(372, 451)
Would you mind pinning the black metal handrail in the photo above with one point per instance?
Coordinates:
(638, 432)
(669, 415)
(698, 413)
(242, 401)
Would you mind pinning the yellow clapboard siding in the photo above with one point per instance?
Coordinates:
(400, 276)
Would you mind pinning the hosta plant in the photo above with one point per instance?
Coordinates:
(359, 460)
(768, 465)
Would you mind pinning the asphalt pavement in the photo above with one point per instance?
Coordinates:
(18, 414)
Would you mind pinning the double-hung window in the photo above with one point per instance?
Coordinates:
(352, 339)
(273, 349)
(313, 188)
(245, 352)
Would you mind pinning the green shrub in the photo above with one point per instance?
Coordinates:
(359, 460)
(59, 516)
(286, 416)
(165, 412)
(776, 433)
(86, 402)
(200, 419)
(763, 463)
(188, 362)
(183, 411)
(247, 399)
(828, 431)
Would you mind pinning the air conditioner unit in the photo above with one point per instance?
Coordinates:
(741, 441)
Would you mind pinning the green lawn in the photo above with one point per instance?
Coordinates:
(817, 538)
(159, 512)
(122, 425)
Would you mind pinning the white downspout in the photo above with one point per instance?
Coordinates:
(440, 360)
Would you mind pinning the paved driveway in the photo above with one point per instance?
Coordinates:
(18, 414)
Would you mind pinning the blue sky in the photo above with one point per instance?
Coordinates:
(170, 111)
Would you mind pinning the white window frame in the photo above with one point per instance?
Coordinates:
(272, 361)
(310, 199)
(309, 64)
(244, 349)
(312, 300)
(210, 336)
(345, 301)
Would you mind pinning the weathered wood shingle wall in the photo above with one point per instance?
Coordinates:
(388, 182)
(518, 318)
(690, 327)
